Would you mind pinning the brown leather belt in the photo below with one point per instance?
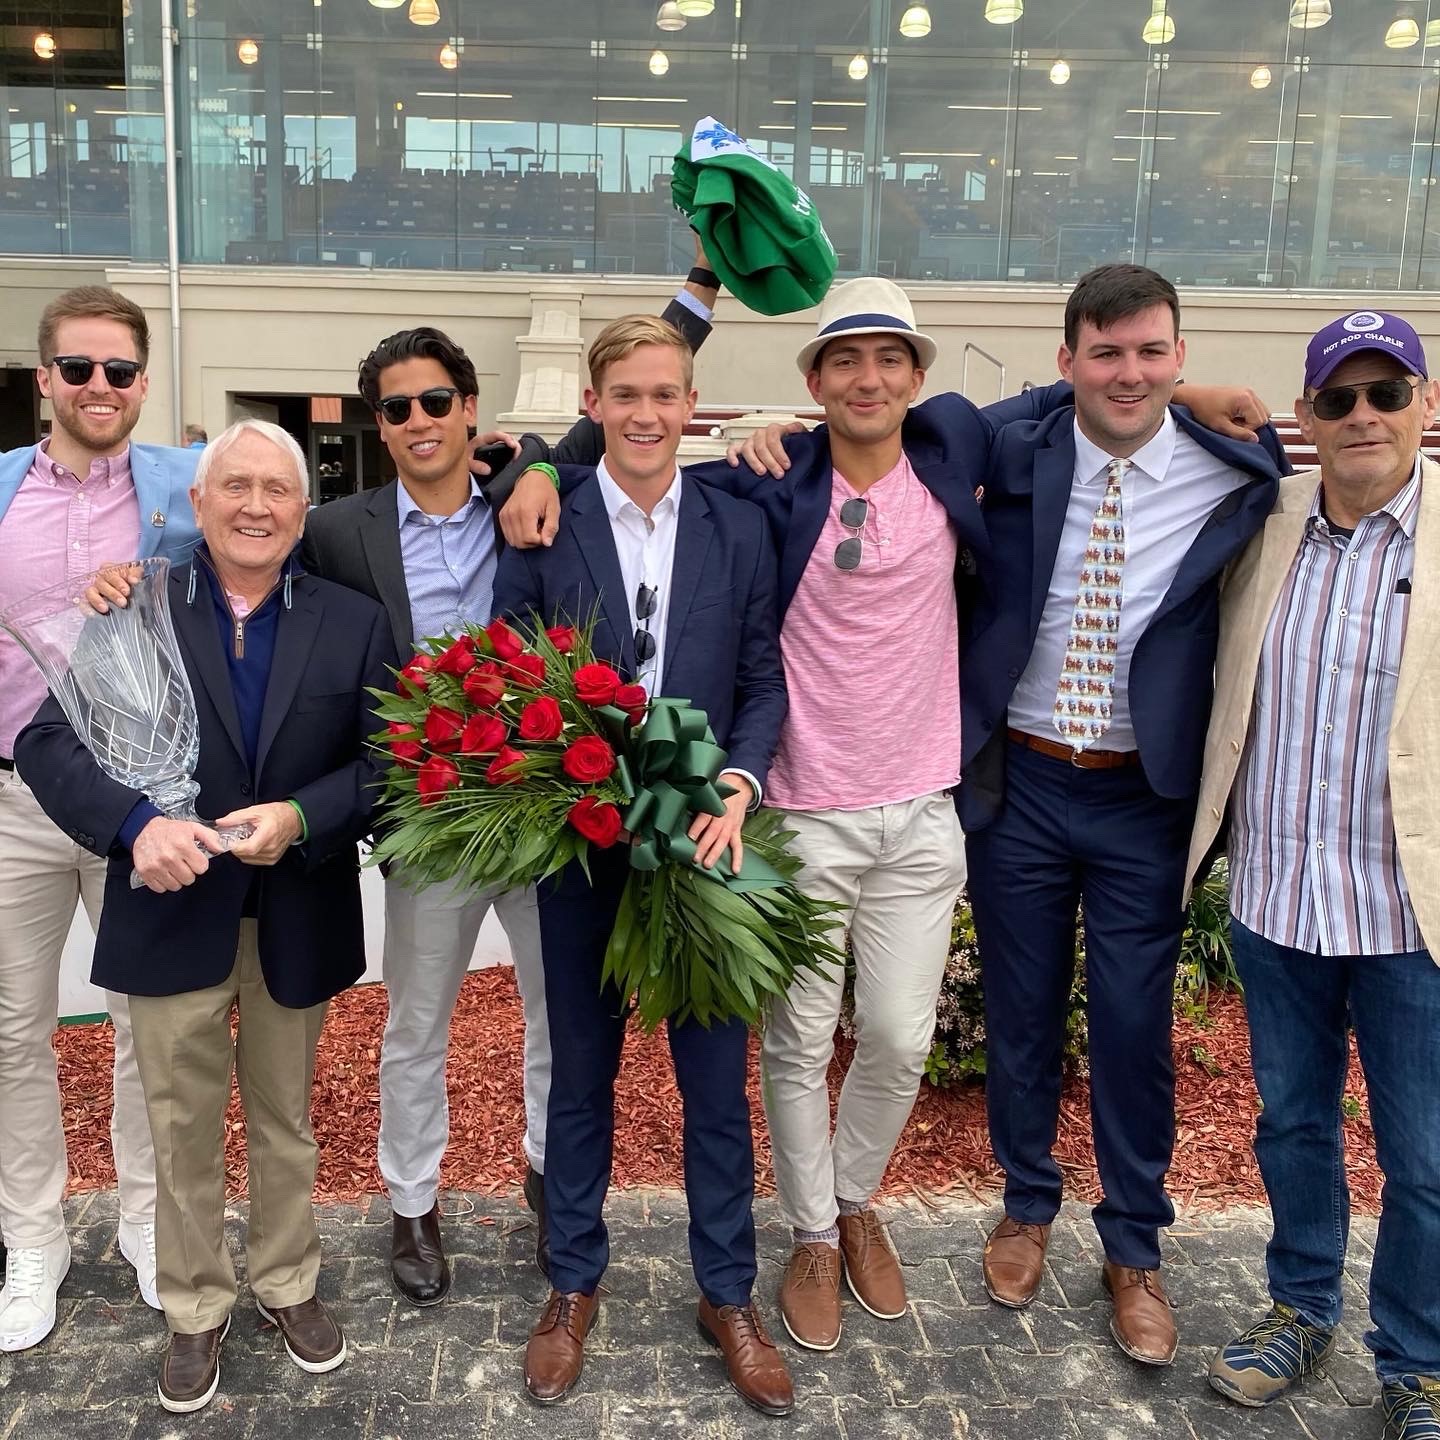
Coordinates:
(1085, 759)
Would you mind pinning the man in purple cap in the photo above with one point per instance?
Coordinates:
(1324, 755)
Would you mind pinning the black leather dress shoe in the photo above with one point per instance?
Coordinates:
(535, 1199)
(417, 1258)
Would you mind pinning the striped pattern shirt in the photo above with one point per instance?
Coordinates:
(1313, 857)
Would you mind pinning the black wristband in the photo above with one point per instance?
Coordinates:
(701, 276)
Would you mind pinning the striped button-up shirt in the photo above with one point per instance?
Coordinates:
(1313, 858)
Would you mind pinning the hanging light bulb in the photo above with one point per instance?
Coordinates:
(1402, 34)
(659, 63)
(449, 56)
(248, 52)
(695, 9)
(1159, 29)
(1059, 73)
(387, 4)
(1432, 34)
(668, 17)
(1309, 14)
(858, 68)
(424, 12)
(915, 23)
(1260, 77)
(1004, 12)
(45, 46)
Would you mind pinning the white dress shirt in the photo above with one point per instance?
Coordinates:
(645, 546)
(1170, 490)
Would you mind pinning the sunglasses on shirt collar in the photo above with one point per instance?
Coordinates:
(1386, 396)
(436, 403)
(77, 370)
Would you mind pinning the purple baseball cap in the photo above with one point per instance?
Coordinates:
(1362, 330)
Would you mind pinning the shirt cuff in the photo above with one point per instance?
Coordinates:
(754, 785)
(697, 307)
(142, 812)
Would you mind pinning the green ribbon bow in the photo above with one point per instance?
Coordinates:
(670, 770)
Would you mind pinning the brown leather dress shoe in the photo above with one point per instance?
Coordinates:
(313, 1338)
(417, 1257)
(1014, 1262)
(1143, 1324)
(555, 1352)
(757, 1369)
(810, 1295)
(190, 1371)
(872, 1270)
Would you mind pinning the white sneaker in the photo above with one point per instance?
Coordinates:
(27, 1303)
(137, 1245)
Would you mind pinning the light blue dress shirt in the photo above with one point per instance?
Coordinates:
(449, 564)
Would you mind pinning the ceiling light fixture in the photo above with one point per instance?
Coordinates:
(387, 4)
(1309, 14)
(45, 45)
(668, 17)
(1004, 12)
(915, 23)
(695, 9)
(248, 52)
(858, 68)
(424, 12)
(1432, 34)
(1260, 77)
(1060, 73)
(1159, 29)
(659, 63)
(449, 56)
(1402, 34)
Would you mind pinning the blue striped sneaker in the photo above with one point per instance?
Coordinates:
(1260, 1365)
(1412, 1407)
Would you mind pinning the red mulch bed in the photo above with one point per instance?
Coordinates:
(945, 1149)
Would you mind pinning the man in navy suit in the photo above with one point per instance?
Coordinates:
(1087, 679)
(684, 582)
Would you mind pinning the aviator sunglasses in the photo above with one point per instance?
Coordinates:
(853, 515)
(646, 601)
(77, 370)
(1383, 395)
(436, 403)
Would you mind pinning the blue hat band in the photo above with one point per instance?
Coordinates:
(867, 322)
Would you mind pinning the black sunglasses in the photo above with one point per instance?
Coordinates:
(645, 602)
(853, 515)
(1384, 395)
(436, 403)
(77, 370)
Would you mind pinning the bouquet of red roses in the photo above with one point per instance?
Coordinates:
(512, 757)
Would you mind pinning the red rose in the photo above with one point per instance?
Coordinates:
(596, 684)
(443, 727)
(588, 760)
(562, 637)
(405, 751)
(459, 658)
(631, 697)
(541, 720)
(503, 640)
(416, 674)
(503, 769)
(597, 820)
(484, 685)
(527, 670)
(437, 775)
(482, 734)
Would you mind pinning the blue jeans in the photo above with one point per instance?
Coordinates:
(1298, 1005)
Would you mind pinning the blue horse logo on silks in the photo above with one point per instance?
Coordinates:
(716, 136)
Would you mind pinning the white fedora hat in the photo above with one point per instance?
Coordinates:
(867, 306)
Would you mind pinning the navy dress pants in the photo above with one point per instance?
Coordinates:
(587, 1029)
(1101, 839)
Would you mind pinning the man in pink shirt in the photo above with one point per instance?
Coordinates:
(84, 497)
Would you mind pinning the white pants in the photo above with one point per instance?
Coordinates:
(896, 871)
(430, 937)
(43, 873)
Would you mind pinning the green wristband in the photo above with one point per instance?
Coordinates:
(549, 470)
(304, 827)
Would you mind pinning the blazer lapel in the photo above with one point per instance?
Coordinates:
(1050, 498)
(1422, 629)
(1279, 544)
(590, 527)
(294, 639)
(152, 493)
(692, 543)
(199, 636)
(810, 504)
(380, 540)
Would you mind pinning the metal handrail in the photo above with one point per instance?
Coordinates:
(984, 355)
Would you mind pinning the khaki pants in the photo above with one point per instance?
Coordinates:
(896, 871)
(43, 874)
(185, 1052)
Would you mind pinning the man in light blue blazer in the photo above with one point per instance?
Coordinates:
(82, 498)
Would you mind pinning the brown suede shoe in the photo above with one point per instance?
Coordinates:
(190, 1371)
(757, 1369)
(555, 1353)
(872, 1269)
(1014, 1262)
(810, 1295)
(313, 1338)
(1143, 1324)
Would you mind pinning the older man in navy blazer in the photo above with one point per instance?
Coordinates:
(684, 581)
